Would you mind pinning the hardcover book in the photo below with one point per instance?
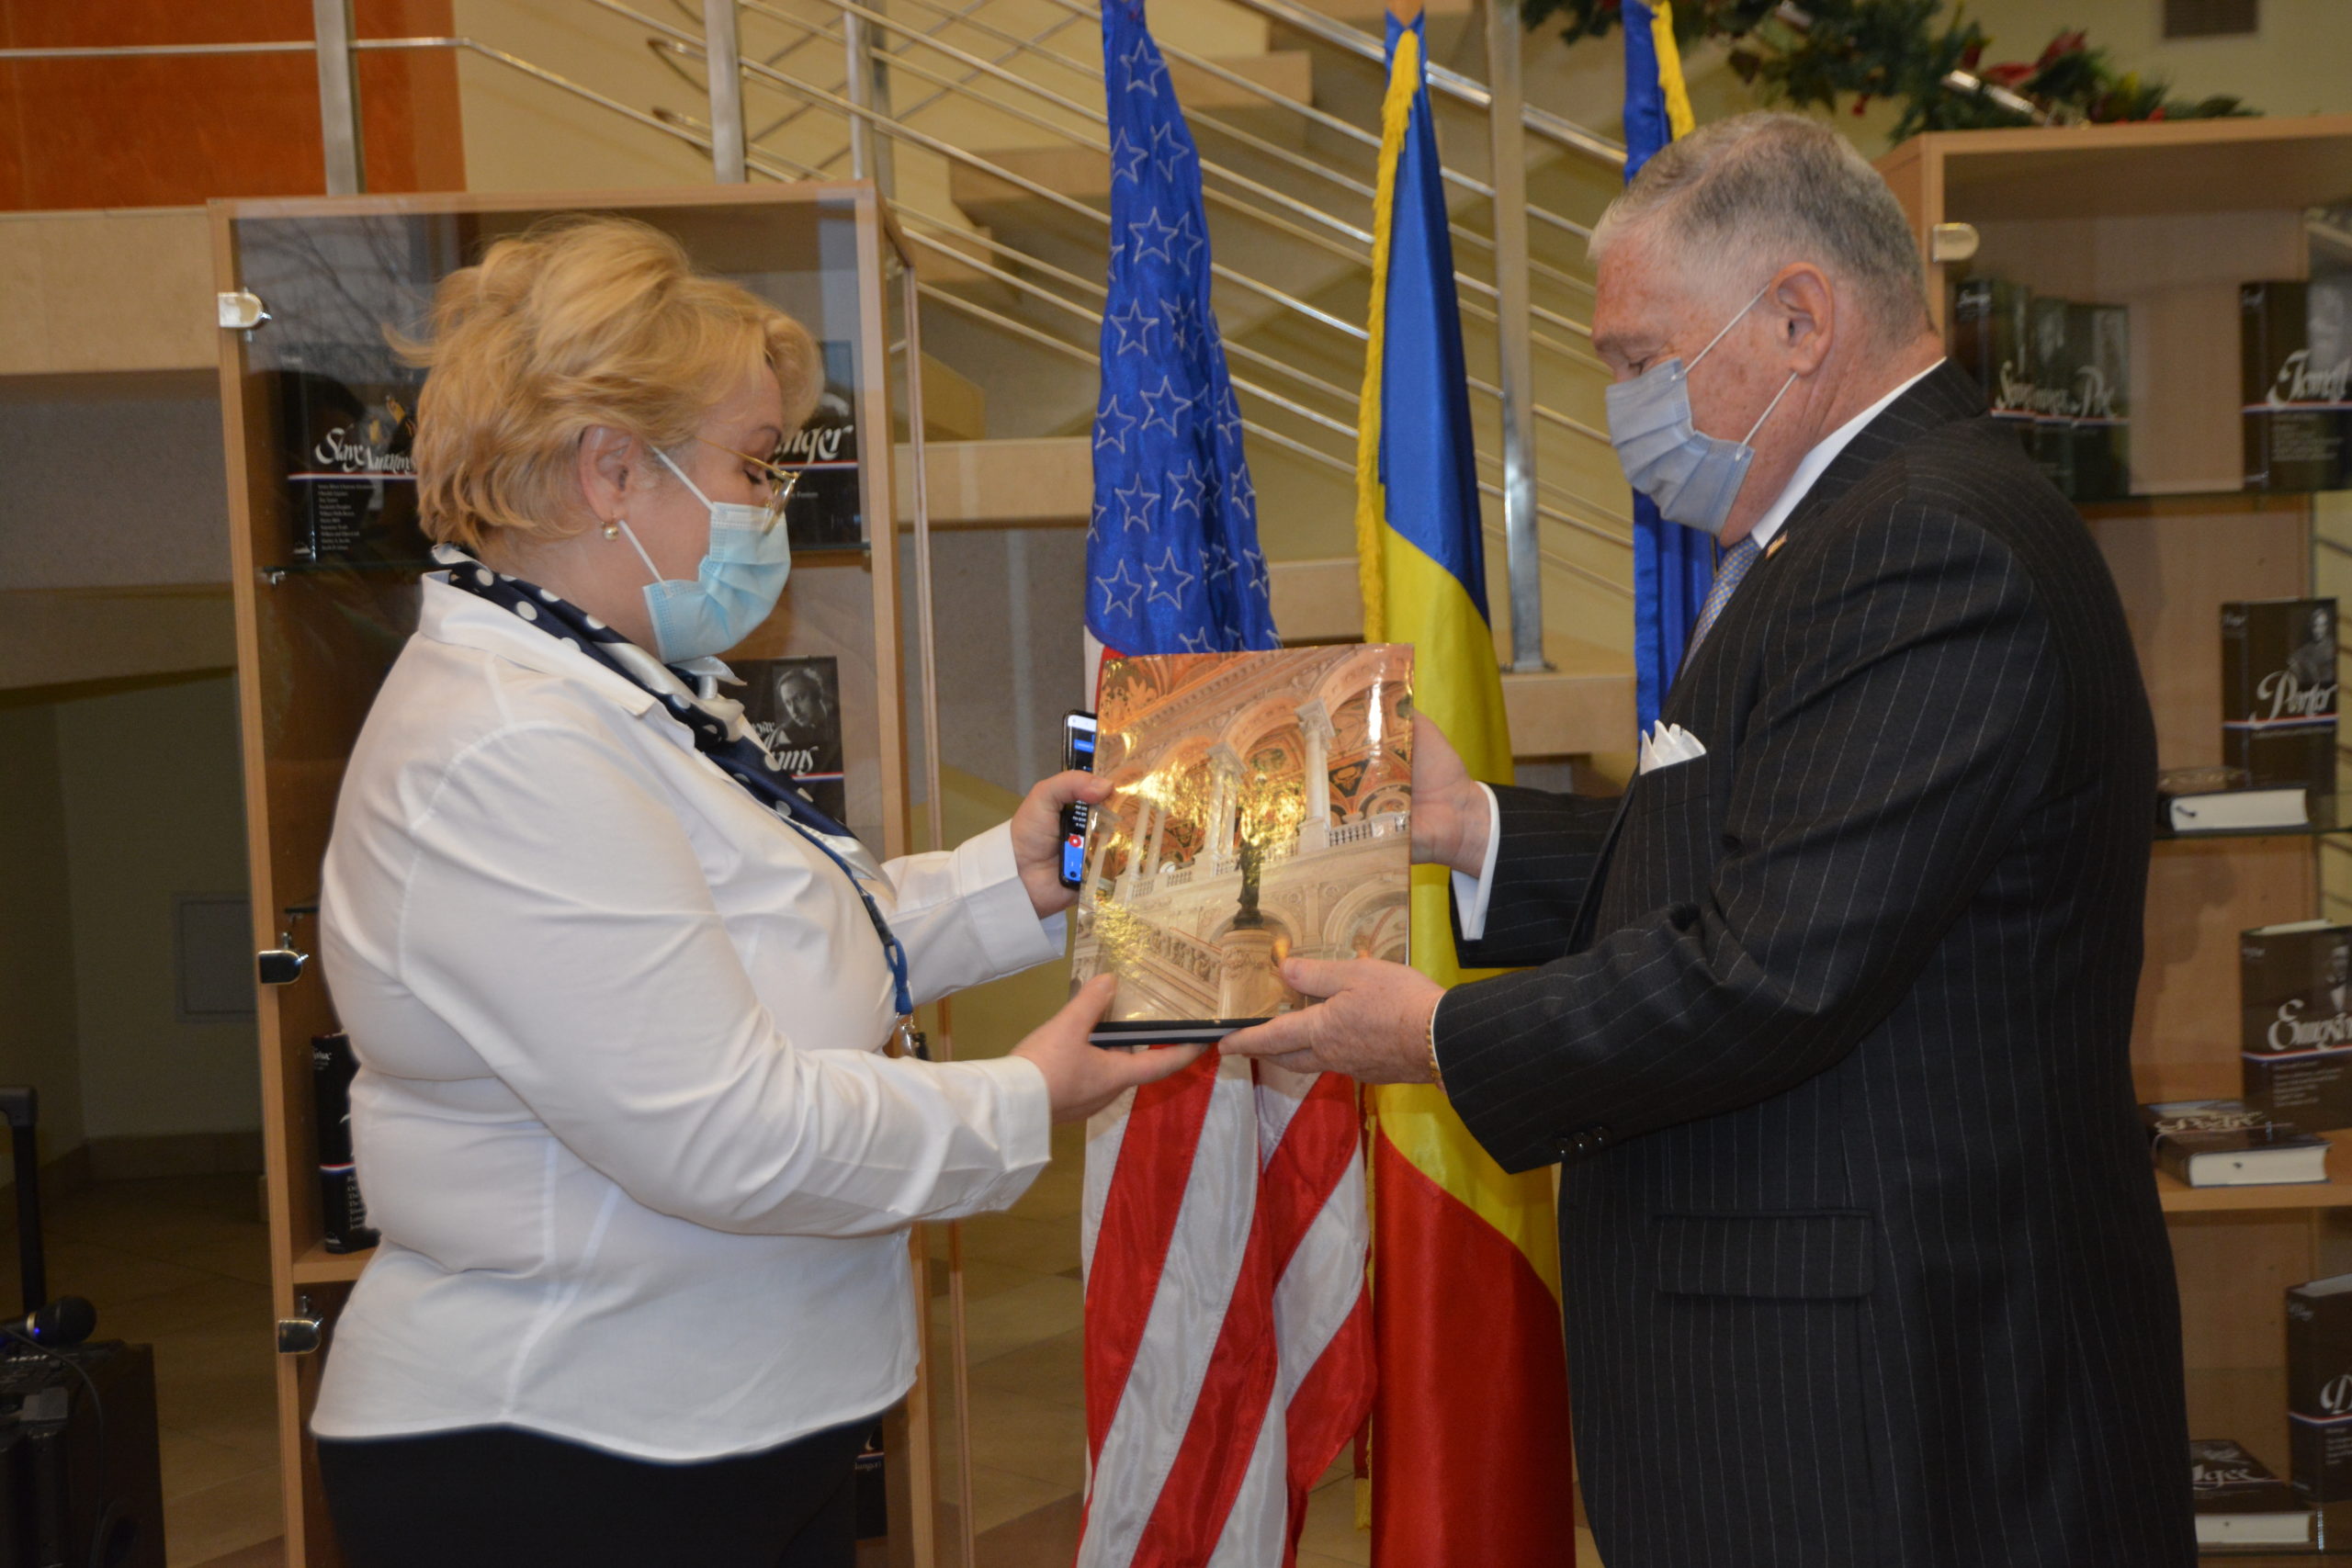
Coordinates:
(350, 475)
(1260, 809)
(2319, 1388)
(2295, 383)
(827, 510)
(344, 1210)
(2239, 1502)
(2099, 365)
(2278, 691)
(1991, 339)
(2227, 1142)
(2053, 354)
(794, 705)
(2223, 800)
(2295, 1022)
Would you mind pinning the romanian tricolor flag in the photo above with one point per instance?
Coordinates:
(1470, 1454)
(1673, 566)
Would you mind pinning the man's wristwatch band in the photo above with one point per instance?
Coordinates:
(1437, 1075)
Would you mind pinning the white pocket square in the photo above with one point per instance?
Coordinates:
(1666, 745)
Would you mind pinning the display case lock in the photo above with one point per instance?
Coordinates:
(282, 964)
(304, 1332)
(241, 309)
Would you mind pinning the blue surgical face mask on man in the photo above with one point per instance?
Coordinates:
(740, 578)
(1692, 477)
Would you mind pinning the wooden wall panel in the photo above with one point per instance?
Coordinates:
(164, 132)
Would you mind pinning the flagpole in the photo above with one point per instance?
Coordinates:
(1515, 369)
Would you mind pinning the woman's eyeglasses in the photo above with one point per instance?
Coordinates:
(774, 477)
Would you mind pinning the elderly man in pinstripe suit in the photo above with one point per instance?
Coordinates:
(1829, 1020)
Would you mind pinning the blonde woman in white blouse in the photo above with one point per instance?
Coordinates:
(619, 992)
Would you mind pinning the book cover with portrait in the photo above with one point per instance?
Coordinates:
(2278, 691)
(1261, 808)
(2295, 1022)
(794, 705)
(2295, 383)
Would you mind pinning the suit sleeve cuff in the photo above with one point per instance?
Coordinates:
(1470, 893)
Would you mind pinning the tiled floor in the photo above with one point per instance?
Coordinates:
(183, 1265)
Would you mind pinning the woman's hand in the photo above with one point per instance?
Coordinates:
(1450, 814)
(1037, 837)
(1080, 1079)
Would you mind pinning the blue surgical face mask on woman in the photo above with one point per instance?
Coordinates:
(740, 578)
(1692, 477)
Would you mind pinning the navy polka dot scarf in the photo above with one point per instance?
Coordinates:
(717, 724)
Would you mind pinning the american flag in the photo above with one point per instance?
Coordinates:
(1171, 551)
(1229, 1354)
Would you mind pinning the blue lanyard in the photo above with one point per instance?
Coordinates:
(902, 994)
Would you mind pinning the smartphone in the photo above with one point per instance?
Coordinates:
(1077, 751)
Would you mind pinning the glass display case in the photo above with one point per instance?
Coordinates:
(319, 410)
(2095, 278)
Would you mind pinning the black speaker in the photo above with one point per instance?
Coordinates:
(81, 1485)
(79, 1482)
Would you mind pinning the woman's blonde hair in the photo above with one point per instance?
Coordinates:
(579, 320)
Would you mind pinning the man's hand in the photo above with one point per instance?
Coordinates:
(1450, 814)
(1037, 837)
(1374, 1028)
(1080, 1079)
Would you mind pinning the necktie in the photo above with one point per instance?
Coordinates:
(1735, 565)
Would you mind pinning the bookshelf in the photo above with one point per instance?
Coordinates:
(315, 639)
(2168, 220)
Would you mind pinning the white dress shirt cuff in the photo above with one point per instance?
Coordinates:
(996, 902)
(1469, 894)
(1025, 1127)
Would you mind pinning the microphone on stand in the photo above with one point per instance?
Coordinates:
(58, 1325)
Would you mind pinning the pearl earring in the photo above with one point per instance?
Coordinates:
(613, 529)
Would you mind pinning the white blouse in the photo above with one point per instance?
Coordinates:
(642, 1177)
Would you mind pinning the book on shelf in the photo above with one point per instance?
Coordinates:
(1991, 341)
(2051, 443)
(1260, 809)
(2098, 376)
(2295, 1022)
(2058, 372)
(2319, 1388)
(2278, 691)
(2222, 800)
(2295, 383)
(2240, 1503)
(348, 428)
(827, 509)
(794, 705)
(2227, 1142)
(341, 1207)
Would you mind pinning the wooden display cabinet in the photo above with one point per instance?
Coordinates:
(315, 638)
(2168, 220)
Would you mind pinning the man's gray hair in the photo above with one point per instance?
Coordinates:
(1742, 197)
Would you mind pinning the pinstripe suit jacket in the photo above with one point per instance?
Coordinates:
(1863, 1256)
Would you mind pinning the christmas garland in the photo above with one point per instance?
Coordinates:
(1811, 56)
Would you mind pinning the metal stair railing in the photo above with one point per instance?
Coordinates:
(1313, 225)
(975, 67)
